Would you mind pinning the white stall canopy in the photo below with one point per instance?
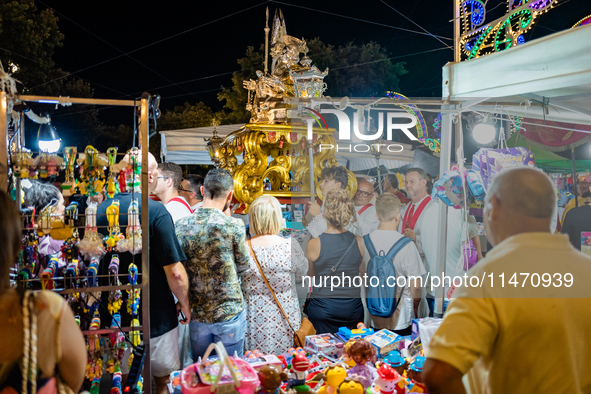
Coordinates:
(187, 146)
(554, 69)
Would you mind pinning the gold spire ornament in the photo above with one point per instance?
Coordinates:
(274, 144)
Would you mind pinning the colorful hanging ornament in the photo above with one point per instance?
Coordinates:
(133, 296)
(48, 274)
(112, 184)
(133, 234)
(135, 334)
(114, 230)
(92, 244)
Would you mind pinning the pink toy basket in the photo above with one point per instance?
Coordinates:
(226, 375)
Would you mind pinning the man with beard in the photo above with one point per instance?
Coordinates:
(214, 244)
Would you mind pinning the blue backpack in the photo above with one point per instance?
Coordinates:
(381, 299)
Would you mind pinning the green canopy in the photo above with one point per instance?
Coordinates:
(546, 160)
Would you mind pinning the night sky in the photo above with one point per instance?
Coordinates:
(185, 51)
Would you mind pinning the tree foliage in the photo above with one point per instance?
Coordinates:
(28, 38)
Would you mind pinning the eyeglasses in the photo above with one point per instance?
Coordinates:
(163, 177)
(185, 190)
(362, 193)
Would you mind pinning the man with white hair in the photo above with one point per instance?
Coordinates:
(532, 306)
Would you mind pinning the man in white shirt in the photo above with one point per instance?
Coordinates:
(407, 264)
(332, 178)
(190, 190)
(168, 191)
(424, 229)
(367, 221)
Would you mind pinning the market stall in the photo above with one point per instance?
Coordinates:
(77, 270)
(548, 79)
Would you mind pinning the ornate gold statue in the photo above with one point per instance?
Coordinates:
(274, 144)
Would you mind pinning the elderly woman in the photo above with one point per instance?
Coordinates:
(60, 349)
(41, 195)
(336, 252)
(281, 261)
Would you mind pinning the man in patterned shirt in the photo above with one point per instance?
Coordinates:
(214, 244)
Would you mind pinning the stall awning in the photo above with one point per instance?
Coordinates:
(555, 69)
(187, 146)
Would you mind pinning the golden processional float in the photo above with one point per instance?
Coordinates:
(279, 158)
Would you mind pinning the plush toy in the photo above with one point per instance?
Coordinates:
(363, 354)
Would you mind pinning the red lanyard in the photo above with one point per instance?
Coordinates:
(178, 199)
(413, 214)
(364, 208)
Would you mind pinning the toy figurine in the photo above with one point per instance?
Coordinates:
(387, 380)
(359, 332)
(114, 231)
(69, 185)
(112, 186)
(333, 375)
(271, 378)
(350, 386)
(48, 274)
(362, 353)
(298, 372)
(414, 374)
(396, 361)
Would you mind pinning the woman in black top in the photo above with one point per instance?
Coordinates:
(335, 302)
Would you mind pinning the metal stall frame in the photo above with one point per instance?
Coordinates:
(143, 134)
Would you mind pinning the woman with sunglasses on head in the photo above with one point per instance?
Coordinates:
(41, 344)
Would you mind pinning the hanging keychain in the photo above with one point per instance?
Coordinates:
(133, 234)
(133, 296)
(92, 244)
(115, 300)
(47, 282)
(112, 185)
(114, 230)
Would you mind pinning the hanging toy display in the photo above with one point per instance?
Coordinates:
(112, 184)
(69, 185)
(92, 272)
(135, 334)
(133, 234)
(92, 176)
(133, 172)
(24, 160)
(47, 282)
(133, 296)
(92, 244)
(115, 300)
(114, 231)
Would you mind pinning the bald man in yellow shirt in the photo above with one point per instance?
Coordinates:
(582, 187)
(526, 328)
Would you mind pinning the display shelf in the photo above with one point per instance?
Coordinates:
(111, 330)
(98, 288)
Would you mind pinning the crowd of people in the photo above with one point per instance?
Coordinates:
(226, 282)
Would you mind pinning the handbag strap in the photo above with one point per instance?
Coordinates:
(334, 269)
(268, 284)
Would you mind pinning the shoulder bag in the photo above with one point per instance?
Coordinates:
(306, 327)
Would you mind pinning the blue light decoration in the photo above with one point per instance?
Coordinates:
(478, 39)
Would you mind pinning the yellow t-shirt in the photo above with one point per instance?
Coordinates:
(516, 339)
(570, 205)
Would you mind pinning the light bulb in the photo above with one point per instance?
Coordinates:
(49, 146)
(484, 133)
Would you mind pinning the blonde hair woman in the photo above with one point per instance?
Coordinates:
(281, 260)
(339, 253)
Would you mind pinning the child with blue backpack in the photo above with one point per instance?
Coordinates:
(394, 259)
